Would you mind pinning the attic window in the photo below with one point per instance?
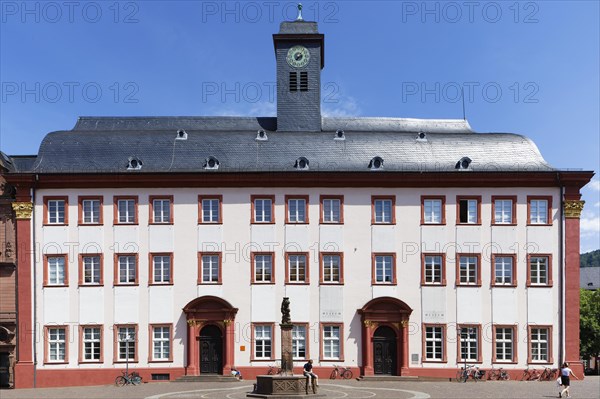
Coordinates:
(463, 164)
(376, 163)
(181, 135)
(303, 81)
(301, 163)
(293, 81)
(211, 163)
(134, 163)
(422, 136)
(339, 135)
(261, 135)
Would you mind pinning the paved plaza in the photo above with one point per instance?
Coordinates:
(589, 388)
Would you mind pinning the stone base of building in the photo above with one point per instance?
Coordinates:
(281, 387)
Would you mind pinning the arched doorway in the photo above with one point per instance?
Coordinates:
(385, 336)
(210, 338)
(384, 351)
(211, 350)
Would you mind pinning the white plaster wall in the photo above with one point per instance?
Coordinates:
(356, 238)
(127, 305)
(468, 305)
(540, 306)
(331, 300)
(160, 300)
(91, 239)
(331, 238)
(91, 305)
(434, 305)
(505, 308)
(160, 238)
(300, 300)
(55, 302)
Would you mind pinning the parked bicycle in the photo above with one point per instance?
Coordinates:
(274, 369)
(344, 372)
(472, 371)
(132, 378)
(530, 375)
(548, 374)
(498, 375)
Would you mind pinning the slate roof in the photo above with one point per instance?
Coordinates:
(106, 144)
(589, 278)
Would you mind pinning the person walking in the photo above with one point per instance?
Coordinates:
(565, 375)
(309, 373)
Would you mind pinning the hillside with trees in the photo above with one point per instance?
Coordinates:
(590, 259)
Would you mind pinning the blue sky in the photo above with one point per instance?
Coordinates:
(528, 67)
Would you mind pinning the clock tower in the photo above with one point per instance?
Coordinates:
(299, 53)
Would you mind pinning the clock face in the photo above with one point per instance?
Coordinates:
(298, 56)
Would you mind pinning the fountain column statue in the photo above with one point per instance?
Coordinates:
(287, 363)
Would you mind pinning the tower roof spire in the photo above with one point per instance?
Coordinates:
(299, 17)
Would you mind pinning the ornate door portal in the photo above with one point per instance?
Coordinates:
(211, 350)
(384, 351)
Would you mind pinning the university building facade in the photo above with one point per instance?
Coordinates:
(406, 246)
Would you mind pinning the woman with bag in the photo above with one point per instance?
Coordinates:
(565, 373)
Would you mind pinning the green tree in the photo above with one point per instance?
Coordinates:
(589, 323)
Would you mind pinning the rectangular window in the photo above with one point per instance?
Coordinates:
(126, 210)
(331, 342)
(504, 210)
(55, 210)
(469, 343)
(263, 341)
(162, 265)
(90, 210)
(434, 343)
(384, 269)
(297, 268)
(468, 210)
(539, 210)
(539, 272)
(297, 209)
(383, 210)
(210, 268)
(503, 270)
(468, 272)
(57, 344)
(263, 209)
(539, 344)
(56, 270)
(303, 81)
(331, 209)
(91, 269)
(126, 266)
(433, 270)
(126, 343)
(210, 209)
(432, 210)
(299, 342)
(161, 343)
(91, 338)
(331, 268)
(504, 343)
(262, 264)
(293, 81)
(161, 210)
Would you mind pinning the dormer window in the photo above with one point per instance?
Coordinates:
(376, 163)
(339, 135)
(463, 163)
(211, 163)
(301, 164)
(261, 135)
(134, 163)
(181, 135)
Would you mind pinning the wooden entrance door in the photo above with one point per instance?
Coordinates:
(211, 350)
(384, 351)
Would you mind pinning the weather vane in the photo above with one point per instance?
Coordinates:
(299, 18)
